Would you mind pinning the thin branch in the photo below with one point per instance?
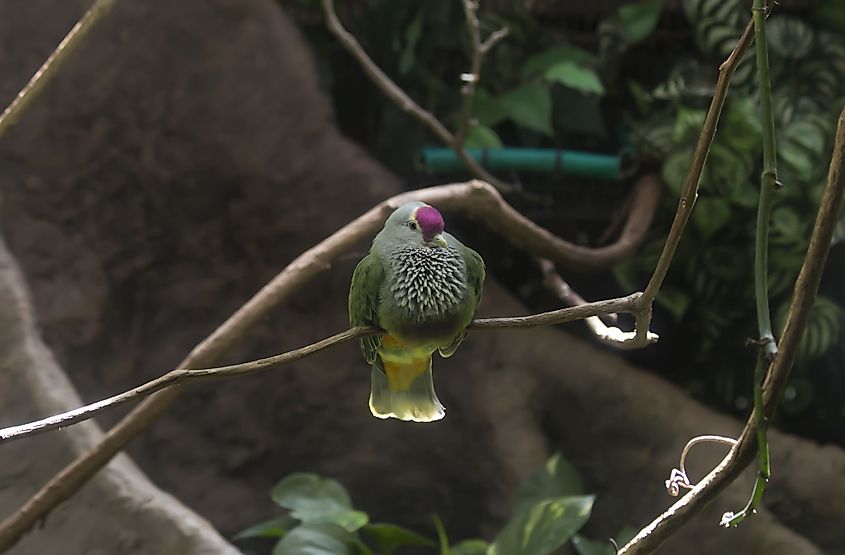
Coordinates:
(609, 335)
(478, 49)
(401, 98)
(806, 288)
(183, 375)
(48, 69)
(702, 149)
(768, 182)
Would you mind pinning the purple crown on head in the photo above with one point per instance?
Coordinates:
(430, 220)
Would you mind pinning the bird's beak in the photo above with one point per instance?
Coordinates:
(439, 240)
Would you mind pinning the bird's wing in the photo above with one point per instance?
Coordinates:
(475, 273)
(475, 282)
(363, 302)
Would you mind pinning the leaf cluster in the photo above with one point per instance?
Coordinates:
(549, 509)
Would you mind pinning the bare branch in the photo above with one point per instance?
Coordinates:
(477, 51)
(610, 335)
(180, 376)
(806, 287)
(702, 149)
(401, 99)
(48, 69)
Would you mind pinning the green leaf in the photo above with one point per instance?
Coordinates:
(469, 547)
(588, 547)
(640, 19)
(556, 479)
(675, 301)
(539, 63)
(575, 77)
(688, 123)
(275, 528)
(541, 529)
(412, 37)
(317, 539)
(529, 106)
(487, 109)
(481, 136)
(710, 215)
(675, 169)
(315, 499)
(389, 536)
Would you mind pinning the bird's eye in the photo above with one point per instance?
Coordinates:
(412, 225)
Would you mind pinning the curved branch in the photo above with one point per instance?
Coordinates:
(806, 287)
(183, 375)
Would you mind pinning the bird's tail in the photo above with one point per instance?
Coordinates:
(405, 391)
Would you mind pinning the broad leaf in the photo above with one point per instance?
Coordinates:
(588, 547)
(312, 498)
(541, 529)
(469, 547)
(317, 539)
(530, 106)
(575, 77)
(710, 215)
(487, 109)
(640, 19)
(389, 536)
(539, 63)
(275, 528)
(557, 478)
(688, 123)
(481, 136)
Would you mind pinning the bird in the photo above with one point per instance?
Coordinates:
(422, 286)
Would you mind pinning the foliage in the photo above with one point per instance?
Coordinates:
(712, 280)
(538, 89)
(550, 508)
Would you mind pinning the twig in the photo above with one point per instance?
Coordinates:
(405, 102)
(478, 50)
(678, 478)
(702, 148)
(48, 69)
(183, 375)
(610, 335)
(806, 287)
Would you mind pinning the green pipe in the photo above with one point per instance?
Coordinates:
(542, 160)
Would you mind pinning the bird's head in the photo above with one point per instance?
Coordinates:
(417, 223)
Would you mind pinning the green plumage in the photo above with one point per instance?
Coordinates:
(422, 286)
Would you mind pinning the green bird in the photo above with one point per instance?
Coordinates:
(422, 287)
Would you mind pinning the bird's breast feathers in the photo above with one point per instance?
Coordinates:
(427, 284)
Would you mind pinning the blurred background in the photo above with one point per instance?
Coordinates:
(187, 152)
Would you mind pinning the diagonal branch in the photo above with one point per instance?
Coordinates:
(48, 69)
(184, 375)
(405, 102)
(806, 287)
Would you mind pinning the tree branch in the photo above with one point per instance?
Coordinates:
(478, 50)
(183, 375)
(48, 69)
(702, 149)
(405, 102)
(806, 287)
